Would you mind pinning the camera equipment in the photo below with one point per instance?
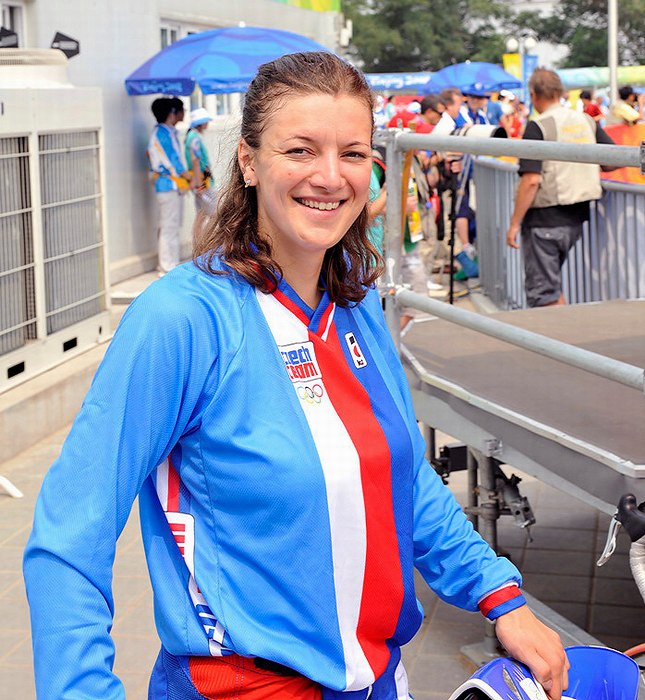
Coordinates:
(481, 131)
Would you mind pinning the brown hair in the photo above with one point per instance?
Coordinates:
(449, 95)
(353, 263)
(546, 84)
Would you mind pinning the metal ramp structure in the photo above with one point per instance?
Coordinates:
(574, 430)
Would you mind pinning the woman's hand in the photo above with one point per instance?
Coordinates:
(528, 640)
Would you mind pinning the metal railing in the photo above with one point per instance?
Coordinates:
(397, 143)
(608, 262)
(600, 365)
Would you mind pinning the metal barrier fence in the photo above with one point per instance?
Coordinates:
(608, 262)
(496, 273)
(17, 306)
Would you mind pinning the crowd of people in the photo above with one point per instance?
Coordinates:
(551, 204)
(441, 187)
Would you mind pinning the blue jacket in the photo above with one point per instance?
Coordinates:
(284, 495)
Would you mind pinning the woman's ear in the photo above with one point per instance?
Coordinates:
(245, 160)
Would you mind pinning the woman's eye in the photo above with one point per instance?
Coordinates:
(297, 151)
(356, 155)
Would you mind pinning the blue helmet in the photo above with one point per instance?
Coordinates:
(596, 673)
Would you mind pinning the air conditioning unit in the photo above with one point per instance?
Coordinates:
(54, 300)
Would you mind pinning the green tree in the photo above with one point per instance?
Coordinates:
(582, 26)
(420, 35)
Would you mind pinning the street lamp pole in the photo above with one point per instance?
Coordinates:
(523, 47)
(612, 45)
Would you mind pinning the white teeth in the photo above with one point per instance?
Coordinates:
(319, 205)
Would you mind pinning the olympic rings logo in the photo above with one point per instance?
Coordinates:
(311, 394)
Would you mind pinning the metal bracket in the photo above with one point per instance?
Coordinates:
(492, 448)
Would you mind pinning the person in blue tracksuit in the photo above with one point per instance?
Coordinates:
(254, 400)
(171, 178)
(199, 162)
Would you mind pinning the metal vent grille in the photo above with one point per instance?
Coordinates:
(32, 57)
(17, 295)
(71, 220)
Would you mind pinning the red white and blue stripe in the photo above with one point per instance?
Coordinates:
(284, 495)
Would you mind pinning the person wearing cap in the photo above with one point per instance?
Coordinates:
(197, 159)
(510, 118)
(474, 109)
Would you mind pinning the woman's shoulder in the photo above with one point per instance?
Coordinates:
(371, 302)
(191, 292)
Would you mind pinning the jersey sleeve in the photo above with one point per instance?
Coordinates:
(452, 557)
(454, 560)
(142, 399)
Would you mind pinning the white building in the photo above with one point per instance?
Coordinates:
(116, 37)
(77, 209)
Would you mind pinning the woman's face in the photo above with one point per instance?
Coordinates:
(311, 173)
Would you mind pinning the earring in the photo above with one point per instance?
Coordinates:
(247, 183)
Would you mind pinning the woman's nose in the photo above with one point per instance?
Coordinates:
(327, 173)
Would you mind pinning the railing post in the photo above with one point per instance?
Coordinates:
(392, 240)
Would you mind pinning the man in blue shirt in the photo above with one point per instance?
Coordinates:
(474, 110)
(171, 179)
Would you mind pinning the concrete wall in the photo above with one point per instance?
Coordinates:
(116, 37)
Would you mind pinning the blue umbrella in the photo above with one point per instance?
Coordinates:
(475, 76)
(218, 60)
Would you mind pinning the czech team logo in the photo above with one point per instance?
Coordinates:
(300, 361)
(302, 368)
(355, 350)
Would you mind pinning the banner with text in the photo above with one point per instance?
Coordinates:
(317, 5)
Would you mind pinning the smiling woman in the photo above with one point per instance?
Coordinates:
(296, 200)
(255, 403)
(311, 175)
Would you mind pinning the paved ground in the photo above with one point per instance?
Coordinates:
(558, 568)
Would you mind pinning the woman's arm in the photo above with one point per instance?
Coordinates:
(140, 402)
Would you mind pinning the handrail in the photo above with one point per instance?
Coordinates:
(397, 142)
(602, 154)
(626, 187)
(609, 185)
(606, 367)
